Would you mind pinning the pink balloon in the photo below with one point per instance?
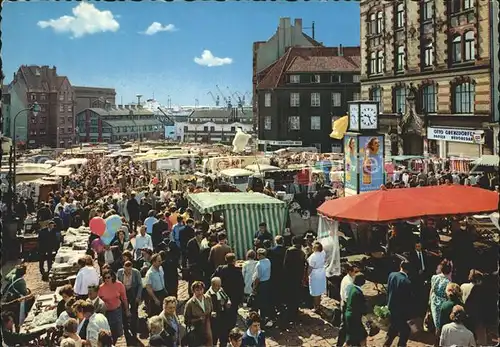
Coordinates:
(97, 245)
(97, 226)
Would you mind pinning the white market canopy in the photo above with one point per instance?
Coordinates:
(261, 167)
(73, 162)
(487, 160)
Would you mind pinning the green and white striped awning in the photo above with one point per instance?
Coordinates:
(243, 212)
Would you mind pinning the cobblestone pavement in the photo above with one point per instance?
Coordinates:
(311, 330)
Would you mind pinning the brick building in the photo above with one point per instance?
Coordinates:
(54, 125)
(266, 53)
(428, 65)
(303, 92)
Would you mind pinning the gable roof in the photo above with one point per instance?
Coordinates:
(310, 59)
(40, 78)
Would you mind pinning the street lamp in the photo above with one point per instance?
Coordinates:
(139, 96)
(35, 108)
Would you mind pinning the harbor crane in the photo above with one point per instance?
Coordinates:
(226, 100)
(164, 119)
(215, 99)
(239, 97)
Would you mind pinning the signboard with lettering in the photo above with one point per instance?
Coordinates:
(454, 135)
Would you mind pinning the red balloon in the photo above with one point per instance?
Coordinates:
(97, 226)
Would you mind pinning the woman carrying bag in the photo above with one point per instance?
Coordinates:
(197, 314)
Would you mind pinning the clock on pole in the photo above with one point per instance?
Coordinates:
(364, 149)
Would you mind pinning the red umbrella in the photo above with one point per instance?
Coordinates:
(384, 205)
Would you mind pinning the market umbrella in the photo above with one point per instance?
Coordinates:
(384, 205)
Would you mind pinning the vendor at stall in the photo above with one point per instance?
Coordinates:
(11, 338)
(16, 294)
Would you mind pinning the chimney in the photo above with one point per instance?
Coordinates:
(341, 51)
(298, 24)
(55, 70)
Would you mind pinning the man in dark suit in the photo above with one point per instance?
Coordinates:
(159, 229)
(399, 294)
(193, 253)
(418, 275)
(47, 244)
(293, 274)
(277, 256)
(186, 234)
(233, 284)
(133, 210)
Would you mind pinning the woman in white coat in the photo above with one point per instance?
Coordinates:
(317, 274)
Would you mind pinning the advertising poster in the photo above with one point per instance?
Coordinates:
(350, 153)
(371, 163)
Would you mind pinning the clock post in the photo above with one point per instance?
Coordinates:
(364, 149)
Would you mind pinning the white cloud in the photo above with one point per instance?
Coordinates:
(86, 20)
(156, 27)
(208, 59)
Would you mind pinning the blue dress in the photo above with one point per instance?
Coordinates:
(438, 297)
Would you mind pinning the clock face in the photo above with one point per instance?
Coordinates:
(368, 117)
(353, 117)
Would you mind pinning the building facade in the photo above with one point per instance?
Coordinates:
(53, 126)
(89, 97)
(266, 53)
(303, 92)
(495, 62)
(428, 65)
(118, 124)
(215, 125)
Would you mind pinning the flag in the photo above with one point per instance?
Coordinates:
(339, 128)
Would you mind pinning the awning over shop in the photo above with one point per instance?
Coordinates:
(243, 212)
(61, 171)
(487, 160)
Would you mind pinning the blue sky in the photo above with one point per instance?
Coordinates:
(107, 44)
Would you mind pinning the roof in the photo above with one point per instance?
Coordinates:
(233, 172)
(321, 64)
(121, 112)
(320, 59)
(210, 202)
(41, 78)
(97, 89)
(221, 113)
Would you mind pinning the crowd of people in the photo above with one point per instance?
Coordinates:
(160, 242)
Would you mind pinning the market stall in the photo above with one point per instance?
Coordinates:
(242, 212)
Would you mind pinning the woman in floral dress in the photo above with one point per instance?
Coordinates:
(438, 293)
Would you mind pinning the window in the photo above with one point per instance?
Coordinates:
(456, 50)
(212, 128)
(380, 61)
(205, 129)
(70, 119)
(69, 108)
(61, 97)
(336, 78)
(468, 4)
(267, 100)
(429, 98)
(376, 95)
(356, 78)
(294, 79)
(315, 123)
(185, 129)
(294, 123)
(455, 6)
(470, 53)
(373, 24)
(315, 99)
(294, 99)
(400, 95)
(336, 99)
(373, 63)
(61, 108)
(355, 96)
(268, 123)
(43, 97)
(400, 16)
(464, 96)
(315, 79)
(33, 97)
(428, 54)
(400, 63)
(379, 22)
(61, 130)
(427, 10)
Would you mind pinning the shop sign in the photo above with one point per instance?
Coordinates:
(454, 135)
(280, 143)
